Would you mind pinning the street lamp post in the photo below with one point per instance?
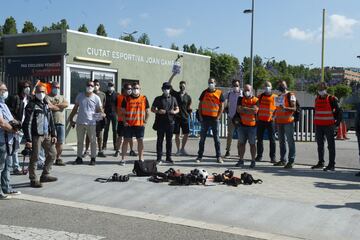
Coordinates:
(130, 34)
(251, 44)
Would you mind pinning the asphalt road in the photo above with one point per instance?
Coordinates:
(46, 221)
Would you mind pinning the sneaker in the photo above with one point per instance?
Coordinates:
(219, 160)
(77, 161)
(252, 164)
(47, 178)
(122, 163)
(59, 162)
(240, 163)
(117, 153)
(92, 162)
(358, 174)
(227, 154)
(169, 160)
(258, 159)
(101, 154)
(329, 169)
(17, 172)
(4, 197)
(13, 192)
(183, 152)
(289, 165)
(132, 153)
(318, 166)
(85, 154)
(280, 163)
(35, 184)
(159, 162)
(198, 159)
(178, 153)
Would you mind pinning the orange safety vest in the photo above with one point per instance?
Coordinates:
(323, 112)
(120, 99)
(266, 107)
(210, 103)
(135, 110)
(248, 119)
(283, 116)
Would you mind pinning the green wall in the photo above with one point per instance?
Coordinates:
(195, 69)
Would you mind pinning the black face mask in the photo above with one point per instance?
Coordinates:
(182, 88)
(281, 88)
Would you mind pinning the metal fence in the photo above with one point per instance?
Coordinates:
(304, 128)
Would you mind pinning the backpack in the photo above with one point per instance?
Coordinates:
(297, 112)
(144, 168)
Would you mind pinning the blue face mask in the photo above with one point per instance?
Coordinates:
(55, 91)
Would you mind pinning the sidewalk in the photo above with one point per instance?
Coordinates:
(299, 203)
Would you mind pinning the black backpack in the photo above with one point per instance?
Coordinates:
(247, 179)
(145, 168)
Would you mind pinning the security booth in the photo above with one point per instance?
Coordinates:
(72, 58)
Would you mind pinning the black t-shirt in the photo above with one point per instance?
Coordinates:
(110, 103)
(222, 99)
(184, 102)
(166, 103)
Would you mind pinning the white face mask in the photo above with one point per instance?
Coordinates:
(322, 93)
(211, 86)
(136, 92)
(55, 91)
(247, 93)
(236, 89)
(40, 96)
(27, 91)
(111, 89)
(96, 88)
(267, 89)
(4, 96)
(129, 91)
(166, 92)
(89, 89)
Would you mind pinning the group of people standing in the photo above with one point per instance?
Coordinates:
(41, 118)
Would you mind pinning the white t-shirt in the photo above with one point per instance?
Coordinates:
(88, 107)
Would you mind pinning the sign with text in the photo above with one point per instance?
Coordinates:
(40, 66)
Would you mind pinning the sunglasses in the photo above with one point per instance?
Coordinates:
(90, 85)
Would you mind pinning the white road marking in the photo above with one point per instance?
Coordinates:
(29, 233)
(159, 218)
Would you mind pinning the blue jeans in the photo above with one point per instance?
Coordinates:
(205, 126)
(286, 131)
(5, 164)
(15, 158)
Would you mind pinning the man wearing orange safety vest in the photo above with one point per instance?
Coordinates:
(327, 116)
(125, 91)
(247, 108)
(285, 108)
(135, 109)
(266, 122)
(211, 104)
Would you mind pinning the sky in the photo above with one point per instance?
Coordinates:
(285, 29)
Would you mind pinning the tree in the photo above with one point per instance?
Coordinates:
(83, 28)
(260, 74)
(9, 26)
(101, 30)
(45, 29)
(340, 91)
(62, 25)
(1, 30)
(29, 27)
(186, 48)
(223, 67)
(144, 39)
(193, 48)
(174, 47)
(129, 38)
